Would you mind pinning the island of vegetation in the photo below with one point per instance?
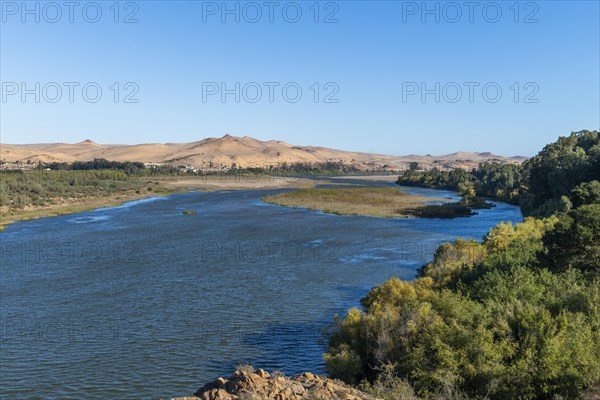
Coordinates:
(371, 201)
(380, 202)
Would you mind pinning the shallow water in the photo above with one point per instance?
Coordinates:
(142, 302)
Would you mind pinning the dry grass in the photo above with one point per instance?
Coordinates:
(377, 202)
(237, 182)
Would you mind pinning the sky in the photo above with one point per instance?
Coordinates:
(390, 77)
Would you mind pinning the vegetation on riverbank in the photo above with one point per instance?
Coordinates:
(516, 316)
(500, 181)
(371, 201)
(542, 185)
(35, 194)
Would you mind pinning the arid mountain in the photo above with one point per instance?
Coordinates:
(227, 150)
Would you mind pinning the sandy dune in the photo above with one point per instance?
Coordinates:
(228, 150)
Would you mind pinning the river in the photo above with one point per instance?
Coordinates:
(143, 302)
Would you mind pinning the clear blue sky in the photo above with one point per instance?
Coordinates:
(374, 54)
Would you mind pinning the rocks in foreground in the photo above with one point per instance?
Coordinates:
(260, 385)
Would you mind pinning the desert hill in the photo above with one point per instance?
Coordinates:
(227, 150)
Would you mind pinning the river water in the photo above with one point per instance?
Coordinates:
(143, 302)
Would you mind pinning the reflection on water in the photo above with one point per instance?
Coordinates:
(141, 301)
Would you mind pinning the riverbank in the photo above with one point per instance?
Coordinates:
(369, 201)
(135, 188)
(71, 206)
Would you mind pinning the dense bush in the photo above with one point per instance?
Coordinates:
(586, 193)
(96, 164)
(558, 169)
(489, 179)
(449, 210)
(575, 242)
(40, 187)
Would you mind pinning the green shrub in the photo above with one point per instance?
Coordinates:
(36, 187)
(575, 241)
(449, 210)
(483, 320)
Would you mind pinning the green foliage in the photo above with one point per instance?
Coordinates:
(563, 176)
(499, 180)
(558, 169)
(434, 178)
(502, 181)
(447, 210)
(575, 241)
(343, 360)
(488, 320)
(97, 164)
(387, 386)
(586, 193)
(451, 258)
(40, 187)
(307, 169)
(466, 189)
(421, 332)
(131, 168)
(503, 235)
(550, 325)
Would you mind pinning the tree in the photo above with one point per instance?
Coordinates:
(558, 169)
(467, 190)
(575, 241)
(586, 193)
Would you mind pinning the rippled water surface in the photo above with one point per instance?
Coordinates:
(143, 302)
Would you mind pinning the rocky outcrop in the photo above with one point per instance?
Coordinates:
(260, 385)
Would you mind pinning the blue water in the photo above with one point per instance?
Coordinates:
(143, 302)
